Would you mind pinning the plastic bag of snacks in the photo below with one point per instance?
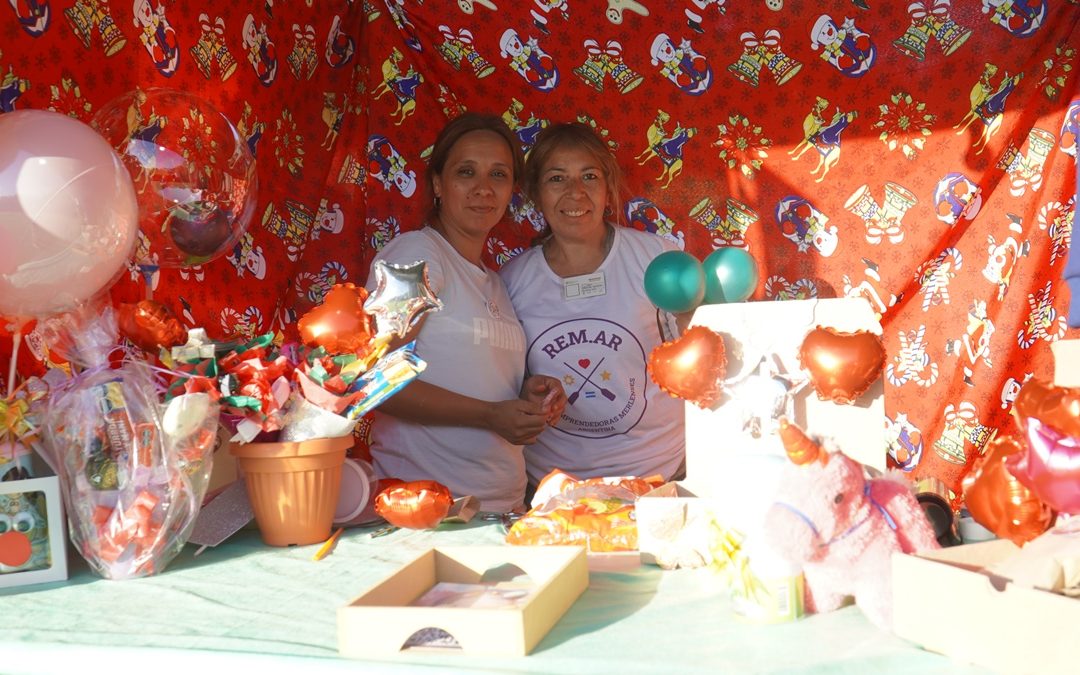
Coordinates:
(134, 471)
(597, 513)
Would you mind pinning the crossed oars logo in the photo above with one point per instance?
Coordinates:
(607, 393)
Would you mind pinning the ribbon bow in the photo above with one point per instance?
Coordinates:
(769, 42)
(592, 48)
(13, 417)
(304, 35)
(965, 415)
(14, 414)
(919, 12)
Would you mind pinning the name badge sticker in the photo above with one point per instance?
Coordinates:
(584, 286)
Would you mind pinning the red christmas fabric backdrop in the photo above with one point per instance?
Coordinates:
(920, 155)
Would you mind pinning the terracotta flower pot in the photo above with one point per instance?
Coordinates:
(293, 487)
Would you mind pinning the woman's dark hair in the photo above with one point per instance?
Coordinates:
(573, 135)
(452, 133)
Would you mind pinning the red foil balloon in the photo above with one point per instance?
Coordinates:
(417, 505)
(1050, 467)
(842, 366)
(1058, 407)
(150, 325)
(1001, 503)
(691, 366)
(339, 324)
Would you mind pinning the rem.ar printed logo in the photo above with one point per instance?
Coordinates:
(602, 368)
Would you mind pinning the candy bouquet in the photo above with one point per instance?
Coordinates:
(134, 471)
(318, 389)
(134, 444)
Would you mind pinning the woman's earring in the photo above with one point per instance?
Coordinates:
(608, 211)
(438, 202)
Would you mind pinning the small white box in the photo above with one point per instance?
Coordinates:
(673, 527)
(1066, 363)
(381, 620)
(36, 538)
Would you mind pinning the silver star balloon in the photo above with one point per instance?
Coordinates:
(401, 296)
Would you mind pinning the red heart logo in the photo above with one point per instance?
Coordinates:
(584, 363)
(14, 549)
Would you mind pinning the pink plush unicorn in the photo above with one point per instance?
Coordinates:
(842, 528)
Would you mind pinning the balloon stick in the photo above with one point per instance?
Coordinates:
(148, 272)
(16, 339)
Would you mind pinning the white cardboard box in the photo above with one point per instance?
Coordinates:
(673, 527)
(943, 601)
(381, 620)
(37, 503)
(1066, 363)
(725, 463)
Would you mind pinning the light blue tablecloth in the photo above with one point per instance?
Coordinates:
(245, 608)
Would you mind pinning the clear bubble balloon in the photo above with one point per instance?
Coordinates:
(194, 174)
(68, 214)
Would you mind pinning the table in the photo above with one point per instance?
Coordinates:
(245, 607)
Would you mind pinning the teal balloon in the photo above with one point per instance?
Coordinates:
(731, 275)
(675, 282)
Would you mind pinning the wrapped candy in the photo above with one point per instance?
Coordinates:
(254, 381)
(134, 472)
(385, 379)
(597, 513)
(336, 390)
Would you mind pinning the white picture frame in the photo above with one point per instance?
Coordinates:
(54, 568)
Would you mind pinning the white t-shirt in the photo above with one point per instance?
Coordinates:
(617, 421)
(474, 346)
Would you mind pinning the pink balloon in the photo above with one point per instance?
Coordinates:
(68, 216)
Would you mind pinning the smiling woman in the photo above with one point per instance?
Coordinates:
(581, 300)
(463, 421)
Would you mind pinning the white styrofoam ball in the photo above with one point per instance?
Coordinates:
(185, 414)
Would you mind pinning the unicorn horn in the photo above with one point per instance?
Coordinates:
(799, 447)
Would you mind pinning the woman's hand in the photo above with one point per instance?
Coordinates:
(548, 392)
(517, 420)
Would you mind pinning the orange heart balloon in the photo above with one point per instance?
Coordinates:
(842, 366)
(1001, 503)
(691, 366)
(150, 325)
(417, 505)
(339, 324)
(1057, 407)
